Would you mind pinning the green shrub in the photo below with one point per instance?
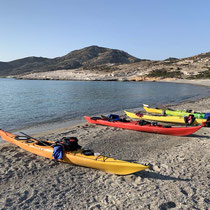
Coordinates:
(201, 75)
(165, 74)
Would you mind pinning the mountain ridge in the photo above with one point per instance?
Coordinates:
(86, 57)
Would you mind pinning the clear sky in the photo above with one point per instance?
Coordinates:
(149, 29)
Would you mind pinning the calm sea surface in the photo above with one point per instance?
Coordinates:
(35, 103)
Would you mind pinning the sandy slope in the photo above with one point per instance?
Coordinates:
(200, 82)
(178, 179)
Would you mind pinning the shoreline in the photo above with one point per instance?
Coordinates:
(82, 122)
(51, 127)
(76, 75)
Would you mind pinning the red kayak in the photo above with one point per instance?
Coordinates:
(134, 125)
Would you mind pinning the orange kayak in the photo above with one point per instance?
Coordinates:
(100, 162)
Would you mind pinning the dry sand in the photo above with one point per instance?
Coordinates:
(178, 179)
(200, 82)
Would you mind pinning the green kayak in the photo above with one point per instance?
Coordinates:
(176, 112)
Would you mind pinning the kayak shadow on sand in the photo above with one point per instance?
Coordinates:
(151, 174)
(154, 175)
(198, 136)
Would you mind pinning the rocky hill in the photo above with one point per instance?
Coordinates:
(98, 63)
(88, 57)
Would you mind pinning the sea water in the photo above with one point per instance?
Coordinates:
(52, 104)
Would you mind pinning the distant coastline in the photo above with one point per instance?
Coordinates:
(89, 76)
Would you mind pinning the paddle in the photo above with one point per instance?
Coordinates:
(41, 142)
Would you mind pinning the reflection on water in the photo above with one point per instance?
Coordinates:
(29, 102)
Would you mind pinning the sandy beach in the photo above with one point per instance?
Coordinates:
(177, 179)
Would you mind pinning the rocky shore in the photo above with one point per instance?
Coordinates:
(81, 75)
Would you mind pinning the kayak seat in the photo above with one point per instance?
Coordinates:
(44, 143)
(166, 126)
(95, 118)
(143, 122)
(87, 152)
(22, 138)
(124, 120)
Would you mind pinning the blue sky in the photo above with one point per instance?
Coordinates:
(150, 29)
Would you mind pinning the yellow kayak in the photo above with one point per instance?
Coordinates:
(100, 162)
(153, 110)
(172, 119)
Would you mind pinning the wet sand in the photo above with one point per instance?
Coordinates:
(178, 178)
